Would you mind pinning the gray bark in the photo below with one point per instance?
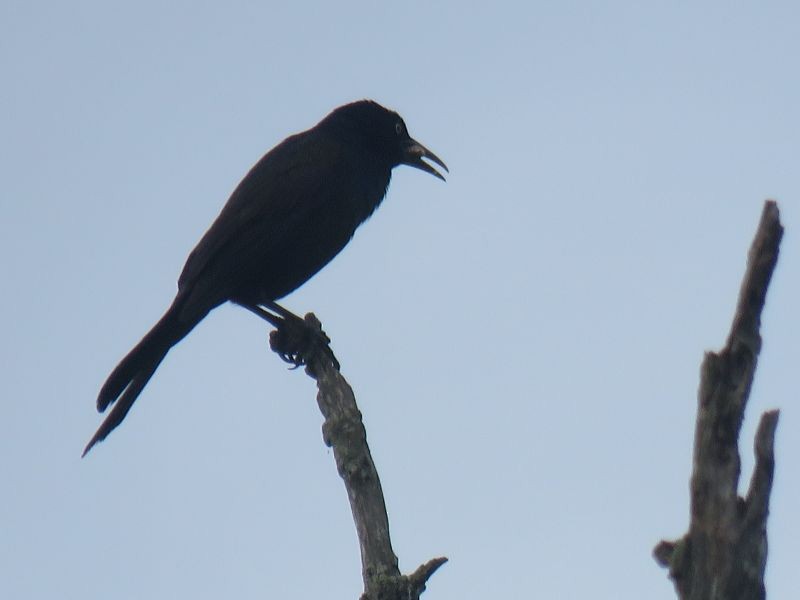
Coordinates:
(723, 556)
(343, 430)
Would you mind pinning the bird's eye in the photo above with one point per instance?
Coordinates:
(398, 128)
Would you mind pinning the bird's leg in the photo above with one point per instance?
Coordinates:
(273, 320)
(295, 340)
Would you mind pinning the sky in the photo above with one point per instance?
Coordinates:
(524, 341)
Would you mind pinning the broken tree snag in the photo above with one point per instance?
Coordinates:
(724, 554)
(343, 430)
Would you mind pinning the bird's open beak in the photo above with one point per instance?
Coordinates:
(415, 152)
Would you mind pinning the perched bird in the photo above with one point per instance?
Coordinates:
(291, 214)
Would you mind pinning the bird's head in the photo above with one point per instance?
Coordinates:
(383, 132)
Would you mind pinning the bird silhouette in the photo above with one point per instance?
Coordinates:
(291, 214)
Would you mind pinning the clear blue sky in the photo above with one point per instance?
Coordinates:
(524, 340)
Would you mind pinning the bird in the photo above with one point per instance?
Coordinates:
(293, 212)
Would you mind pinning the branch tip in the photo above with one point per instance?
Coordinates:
(420, 577)
(765, 436)
(663, 553)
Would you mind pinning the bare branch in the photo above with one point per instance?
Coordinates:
(761, 482)
(343, 430)
(723, 555)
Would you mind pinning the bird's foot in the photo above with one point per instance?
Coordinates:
(300, 341)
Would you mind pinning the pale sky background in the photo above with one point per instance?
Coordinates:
(524, 340)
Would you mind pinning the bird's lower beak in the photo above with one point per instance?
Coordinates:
(415, 152)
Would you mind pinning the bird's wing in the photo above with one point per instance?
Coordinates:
(278, 199)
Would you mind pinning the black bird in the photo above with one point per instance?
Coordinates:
(291, 214)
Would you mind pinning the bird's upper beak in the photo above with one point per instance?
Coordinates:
(413, 154)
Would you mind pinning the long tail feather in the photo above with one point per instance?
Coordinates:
(133, 372)
(121, 407)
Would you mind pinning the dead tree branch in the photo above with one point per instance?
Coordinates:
(343, 430)
(723, 556)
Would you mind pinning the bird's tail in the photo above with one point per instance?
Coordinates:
(133, 372)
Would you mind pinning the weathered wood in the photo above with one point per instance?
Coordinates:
(723, 556)
(343, 430)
